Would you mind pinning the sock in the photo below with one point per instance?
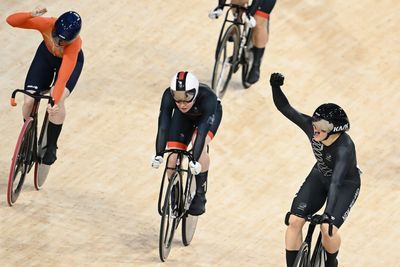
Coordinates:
(258, 54)
(331, 259)
(53, 132)
(201, 182)
(291, 257)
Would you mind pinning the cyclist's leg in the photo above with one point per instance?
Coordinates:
(199, 201)
(180, 132)
(260, 37)
(309, 199)
(39, 77)
(348, 195)
(56, 120)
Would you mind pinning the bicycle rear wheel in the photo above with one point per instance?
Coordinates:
(302, 258)
(169, 217)
(247, 60)
(21, 161)
(225, 60)
(41, 170)
(189, 222)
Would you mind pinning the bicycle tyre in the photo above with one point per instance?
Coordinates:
(225, 60)
(168, 220)
(41, 170)
(189, 224)
(247, 61)
(20, 162)
(302, 258)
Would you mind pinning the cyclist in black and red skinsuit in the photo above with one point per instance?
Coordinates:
(335, 176)
(261, 10)
(189, 111)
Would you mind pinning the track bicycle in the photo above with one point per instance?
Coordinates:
(234, 48)
(29, 150)
(318, 257)
(176, 195)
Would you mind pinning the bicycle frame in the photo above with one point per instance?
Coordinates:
(181, 154)
(25, 153)
(34, 116)
(313, 220)
(244, 29)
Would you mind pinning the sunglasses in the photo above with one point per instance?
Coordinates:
(183, 96)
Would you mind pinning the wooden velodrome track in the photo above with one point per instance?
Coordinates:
(98, 207)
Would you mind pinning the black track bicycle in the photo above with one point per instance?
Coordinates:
(233, 49)
(176, 195)
(318, 256)
(29, 150)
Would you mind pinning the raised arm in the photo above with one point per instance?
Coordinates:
(282, 104)
(29, 20)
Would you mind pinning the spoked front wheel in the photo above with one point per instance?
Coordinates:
(302, 258)
(169, 217)
(318, 258)
(225, 60)
(21, 162)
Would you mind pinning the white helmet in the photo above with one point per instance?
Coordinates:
(184, 86)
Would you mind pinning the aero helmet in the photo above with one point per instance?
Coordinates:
(67, 27)
(184, 86)
(335, 117)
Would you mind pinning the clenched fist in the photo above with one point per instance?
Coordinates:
(276, 79)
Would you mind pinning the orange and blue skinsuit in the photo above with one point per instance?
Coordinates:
(66, 55)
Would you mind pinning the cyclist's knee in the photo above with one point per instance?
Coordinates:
(325, 230)
(172, 160)
(295, 222)
(240, 2)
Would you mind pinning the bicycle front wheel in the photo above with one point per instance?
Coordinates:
(319, 256)
(170, 215)
(20, 162)
(225, 60)
(302, 258)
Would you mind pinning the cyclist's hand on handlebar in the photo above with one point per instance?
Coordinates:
(216, 13)
(38, 11)
(195, 167)
(53, 110)
(156, 161)
(250, 20)
(276, 79)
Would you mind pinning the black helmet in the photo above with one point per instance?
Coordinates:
(334, 115)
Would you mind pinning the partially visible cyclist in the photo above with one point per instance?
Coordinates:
(58, 62)
(335, 176)
(189, 112)
(259, 15)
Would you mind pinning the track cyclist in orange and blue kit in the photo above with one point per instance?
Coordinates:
(58, 62)
(261, 10)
